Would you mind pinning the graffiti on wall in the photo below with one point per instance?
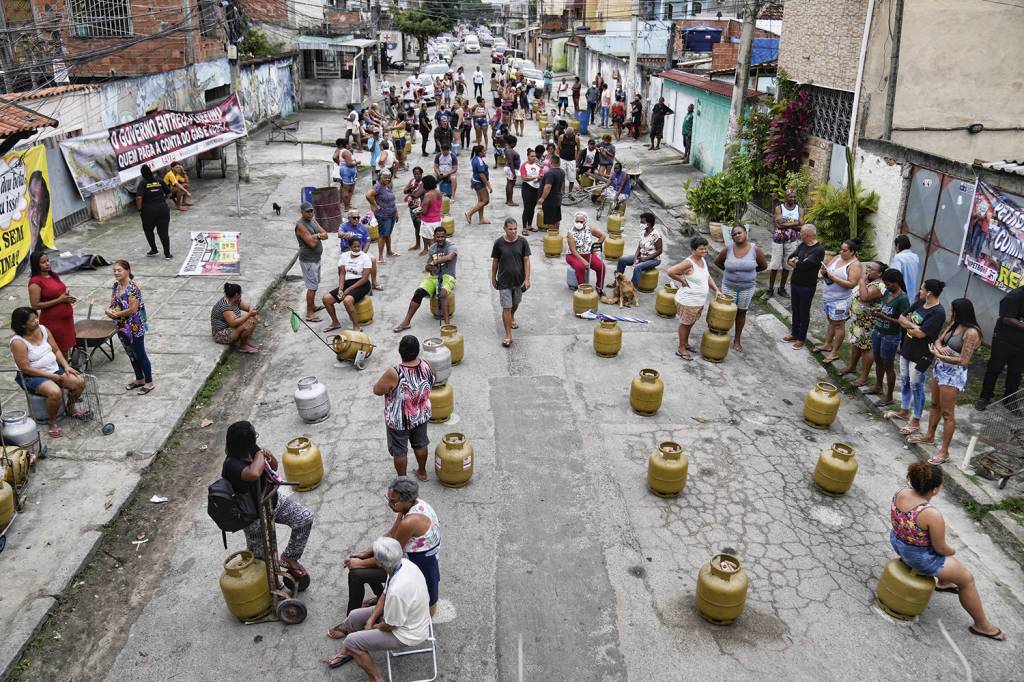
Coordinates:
(267, 90)
(181, 90)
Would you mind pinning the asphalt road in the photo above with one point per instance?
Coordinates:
(557, 563)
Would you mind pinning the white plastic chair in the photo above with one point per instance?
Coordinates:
(430, 648)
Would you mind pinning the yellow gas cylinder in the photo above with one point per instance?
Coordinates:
(452, 338)
(649, 281)
(607, 339)
(448, 223)
(646, 392)
(714, 346)
(584, 298)
(244, 585)
(552, 243)
(902, 592)
(348, 343)
(575, 125)
(721, 313)
(453, 460)
(821, 405)
(665, 301)
(836, 469)
(722, 589)
(586, 181)
(6, 504)
(615, 223)
(538, 219)
(303, 464)
(613, 246)
(451, 304)
(446, 206)
(364, 310)
(374, 231)
(442, 402)
(17, 472)
(666, 470)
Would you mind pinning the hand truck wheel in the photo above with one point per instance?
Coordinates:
(291, 611)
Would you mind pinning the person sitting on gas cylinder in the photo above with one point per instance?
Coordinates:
(248, 468)
(42, 368)
(357, 227)
(439, 280)
(401, 617)
(418, 531)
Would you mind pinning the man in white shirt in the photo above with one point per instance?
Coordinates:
(354, 269)
(400, 618)
(478, 83)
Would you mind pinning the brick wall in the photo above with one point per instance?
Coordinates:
(724, 56)
(151, 56)
(821, 41)
(342, 18)
(267, 10)
(818, 155)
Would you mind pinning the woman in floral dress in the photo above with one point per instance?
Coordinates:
(128, 312)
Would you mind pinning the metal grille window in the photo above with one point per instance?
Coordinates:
(100, 18)
(209, 19)
(832, 112)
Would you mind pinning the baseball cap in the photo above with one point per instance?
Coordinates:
(306, 206)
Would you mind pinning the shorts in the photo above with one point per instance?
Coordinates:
(741, 297)
(429, 284)
(837, 311)
(356, 294)
(510, 298)
(563, 101)
(32, 384)
(946, 374)
(427, 229)
(781, 254)
(348, 175)
(924, 560)
(570, 170)
(399, 143)
(224, 337)
(310, 274)
(552, 214)
(399, 440)
(688, 314)
(446, 188)
(884, 346)
(477, 186)
(480, 122)
(385, 226)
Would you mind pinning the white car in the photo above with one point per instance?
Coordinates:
(521, 64)
(535, 77)
(472, 45)
(486, 39)
(500, 42)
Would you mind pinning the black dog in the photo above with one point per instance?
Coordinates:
(277, 209)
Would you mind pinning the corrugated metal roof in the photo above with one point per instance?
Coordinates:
(43, 93)
(17, 119)
(1015, 167)
(706, 84)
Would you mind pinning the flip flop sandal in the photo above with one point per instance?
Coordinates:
(399, 329)
(937, 462)
(952, 589)
(997, 635)
(421, 475)
(684, 356)
(337, 661)
(315, 318)
(506, 342)
(132, 387)
(515, 325)
(301, 577)
(145, 391)
(908, 430)
(332, 328)
(892, 414)
(919, 439)
(55, 431)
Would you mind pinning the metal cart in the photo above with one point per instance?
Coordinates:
(1000, 429)
(284, 606)
(216, 156)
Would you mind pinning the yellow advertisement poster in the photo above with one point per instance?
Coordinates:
(26, 220)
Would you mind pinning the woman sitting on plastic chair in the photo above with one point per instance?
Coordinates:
(401, 617)
(42, 368)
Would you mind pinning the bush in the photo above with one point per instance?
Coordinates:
(830, 213)
(722, 198)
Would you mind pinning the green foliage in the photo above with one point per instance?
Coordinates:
(830, 213)
(256, 45)
(800, 180)
(787, 87)
(423, 26)
(722, 198)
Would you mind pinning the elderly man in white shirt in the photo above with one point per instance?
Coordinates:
(400, 618)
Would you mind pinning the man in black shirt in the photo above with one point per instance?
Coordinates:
(806, 262)
(551, 193)
(1007, 351)
(151, 200)
(510, 274)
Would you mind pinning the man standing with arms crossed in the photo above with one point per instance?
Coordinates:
(310, 237)
(510, 274)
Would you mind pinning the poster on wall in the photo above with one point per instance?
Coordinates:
(26, 220)
(105, 160)
(213, 253)
(993, 247)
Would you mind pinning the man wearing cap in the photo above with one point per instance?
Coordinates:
(440, 268)
(310, 237)
(443, 133)
(354, 228)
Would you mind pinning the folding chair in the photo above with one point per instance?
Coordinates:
(283, 132)
(430, 648)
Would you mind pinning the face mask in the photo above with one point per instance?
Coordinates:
(579, 225)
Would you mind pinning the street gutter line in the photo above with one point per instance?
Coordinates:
(963, 659)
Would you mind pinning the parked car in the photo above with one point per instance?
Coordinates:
(520, 63)
(486, 39)
(500, 42)
(472, 45)
(535, 77)
(498, 55)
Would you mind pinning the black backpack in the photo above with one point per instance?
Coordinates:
(229, 510)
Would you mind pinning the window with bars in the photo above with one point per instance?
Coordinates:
(100, 18)
(209, 19)
(833, 110)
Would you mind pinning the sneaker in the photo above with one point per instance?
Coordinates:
(782, 293)
(168, 256)
(154, 252)
(767, 294)
(981, 404)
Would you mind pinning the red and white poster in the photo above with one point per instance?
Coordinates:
(993, 247)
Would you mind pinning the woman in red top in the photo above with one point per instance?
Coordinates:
(618, 117)
(50, 296)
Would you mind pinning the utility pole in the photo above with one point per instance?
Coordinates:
(671, 47)
(894, 67)
(632, 87)
(234, 34)
(739, 88)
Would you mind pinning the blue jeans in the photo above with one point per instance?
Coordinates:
(801, 298)
(604, 117)
(638, 268)
(136, 352)
(912, 387)
(386, 225)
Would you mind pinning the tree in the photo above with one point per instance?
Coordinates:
(422, 25)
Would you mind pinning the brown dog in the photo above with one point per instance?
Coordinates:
(623, 293)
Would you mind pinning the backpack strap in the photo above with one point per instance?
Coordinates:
(224, 537)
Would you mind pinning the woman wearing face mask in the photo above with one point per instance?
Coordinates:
(863, 309)
(694, 284)
(529, 171)
(582, 240)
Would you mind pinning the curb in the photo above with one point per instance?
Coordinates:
(998, 525)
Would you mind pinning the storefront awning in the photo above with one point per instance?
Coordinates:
(323, 42)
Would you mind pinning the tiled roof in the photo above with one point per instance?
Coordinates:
(1015, 167)
(17, 119)
(43, 93)
(704, 83)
